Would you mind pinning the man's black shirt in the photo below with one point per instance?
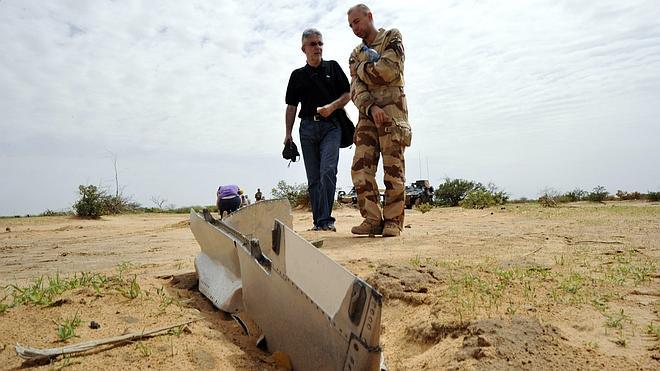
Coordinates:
(303, 90)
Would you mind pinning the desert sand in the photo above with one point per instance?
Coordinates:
(511, 287)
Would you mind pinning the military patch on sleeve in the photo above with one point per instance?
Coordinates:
(396, 45)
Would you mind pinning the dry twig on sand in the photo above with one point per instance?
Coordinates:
(533, 252)
(36, 354)
(595, 241)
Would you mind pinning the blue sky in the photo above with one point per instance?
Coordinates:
(190, 95)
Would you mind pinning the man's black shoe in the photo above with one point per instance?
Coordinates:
(329, 227)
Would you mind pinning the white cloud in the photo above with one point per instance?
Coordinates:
(527, 94)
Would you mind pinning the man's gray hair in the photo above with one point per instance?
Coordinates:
(365, 9)
(310, 32)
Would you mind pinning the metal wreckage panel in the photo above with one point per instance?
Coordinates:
(217, 264)
(307, 306)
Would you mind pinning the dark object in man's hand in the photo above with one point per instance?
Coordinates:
(290, 151)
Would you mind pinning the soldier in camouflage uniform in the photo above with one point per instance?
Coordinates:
(377, 92)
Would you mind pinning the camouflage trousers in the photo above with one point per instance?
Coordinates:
(370, 142)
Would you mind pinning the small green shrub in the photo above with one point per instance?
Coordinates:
(622, 195)
(478, 199)
(424, 208)
(95, 202)
(653, 196)
(452, 192)
(91, 203)
(499, 196)
(297, 194)
(598, 194)
(573, 196)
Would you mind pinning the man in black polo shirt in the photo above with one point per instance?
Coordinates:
(321, 87)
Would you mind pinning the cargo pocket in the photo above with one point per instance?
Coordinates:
(400, 133)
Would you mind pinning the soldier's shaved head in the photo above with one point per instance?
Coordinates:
(365, 9)
(310, 32)
(361, 21)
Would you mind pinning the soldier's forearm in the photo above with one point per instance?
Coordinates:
(361, 96)
(379, 73)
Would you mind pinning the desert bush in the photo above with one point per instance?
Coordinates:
(653, 196)
(598, 194)
(622, 195)
(478, 199)
(424, 208)
(119, 204)
(499, 196)
(549, 197)
(95, 202)
(452, 192)
(91, 203)
(573, 196)
(297, 194)
(50, 212)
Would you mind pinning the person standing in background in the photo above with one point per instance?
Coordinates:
(227, 199)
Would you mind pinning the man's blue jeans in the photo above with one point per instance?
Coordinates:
(320, 149)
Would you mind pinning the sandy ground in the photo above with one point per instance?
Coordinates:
(514, 287)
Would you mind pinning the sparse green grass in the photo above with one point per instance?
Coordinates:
(616, 320)
(621, 341)
(65, 362)
(416, 261)
(47, 290)
(591, 345)
(165, 300)
(653, 330)
(474, 291)
(40, 293)
(599, 303)
(176, 331)
(635, 269)
(144, 349)
(572, 284)
(133, 290)
(4, 306)
(66, 328)
(123, 267)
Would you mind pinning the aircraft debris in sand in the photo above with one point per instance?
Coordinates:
(306, 305)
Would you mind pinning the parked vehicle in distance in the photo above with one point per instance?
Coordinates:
(419, 193)
(347, 198)
(351, 196)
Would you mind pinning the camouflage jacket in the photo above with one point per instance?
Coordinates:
(381, 82)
